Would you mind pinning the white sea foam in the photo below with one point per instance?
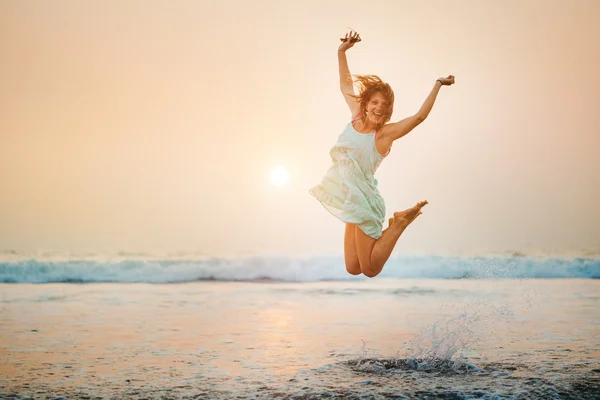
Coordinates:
(288, 269)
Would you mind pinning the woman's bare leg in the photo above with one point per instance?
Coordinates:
(350, 254)
(373, 253)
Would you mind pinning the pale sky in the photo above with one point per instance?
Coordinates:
(152, 126)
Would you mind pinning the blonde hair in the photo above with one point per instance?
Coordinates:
(368, 85)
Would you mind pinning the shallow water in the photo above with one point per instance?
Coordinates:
(381, 338)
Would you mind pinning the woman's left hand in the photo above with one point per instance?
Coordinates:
(449, 80)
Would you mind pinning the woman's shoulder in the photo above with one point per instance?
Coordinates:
(356, 118)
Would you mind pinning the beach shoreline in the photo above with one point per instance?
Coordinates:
(279, 340)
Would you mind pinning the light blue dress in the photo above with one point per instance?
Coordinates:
(349, 188)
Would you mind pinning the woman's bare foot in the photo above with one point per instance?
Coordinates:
(406, 217)
(391, 222)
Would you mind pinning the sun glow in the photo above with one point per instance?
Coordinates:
(279, 176)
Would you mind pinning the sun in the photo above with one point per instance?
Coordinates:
(279, 176)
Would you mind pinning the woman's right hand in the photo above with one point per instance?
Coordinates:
(447, 81)
(349, 40)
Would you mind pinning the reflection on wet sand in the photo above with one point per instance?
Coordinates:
(228, 339)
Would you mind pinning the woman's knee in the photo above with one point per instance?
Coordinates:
(370, 272)
(353, 268)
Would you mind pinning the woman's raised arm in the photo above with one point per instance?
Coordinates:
(346, 85)
(398, 129)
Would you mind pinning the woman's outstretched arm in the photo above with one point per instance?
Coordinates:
(346, 85)
(397, 130)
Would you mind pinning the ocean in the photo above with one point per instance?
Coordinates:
(428, 327)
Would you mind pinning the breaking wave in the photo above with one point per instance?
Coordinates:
(290, 269)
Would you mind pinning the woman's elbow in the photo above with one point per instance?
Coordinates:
(420, 118)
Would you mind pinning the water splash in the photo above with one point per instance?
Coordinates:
(450, 342)
(446, 342)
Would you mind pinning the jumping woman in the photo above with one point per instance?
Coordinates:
(349, 188)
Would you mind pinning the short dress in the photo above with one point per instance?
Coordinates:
(349, 188)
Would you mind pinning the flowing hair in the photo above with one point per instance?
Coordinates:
(368, 85)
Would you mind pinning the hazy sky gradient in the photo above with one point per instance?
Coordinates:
(153, 125)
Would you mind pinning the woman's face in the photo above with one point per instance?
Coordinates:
(378, 108)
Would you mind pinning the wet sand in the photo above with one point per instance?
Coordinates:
(512, 338)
